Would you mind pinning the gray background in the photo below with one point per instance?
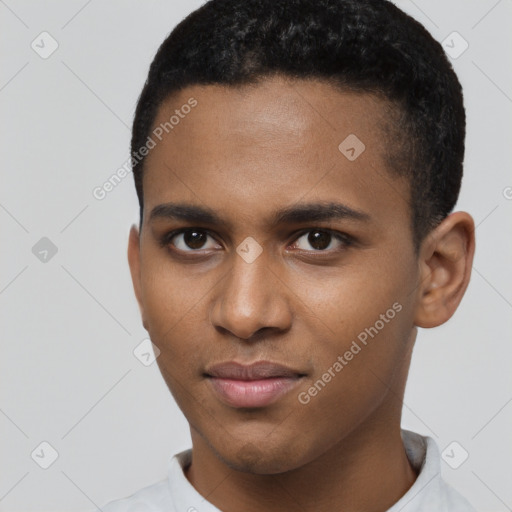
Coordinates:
(70, 323)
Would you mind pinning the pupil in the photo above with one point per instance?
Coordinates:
(319, 239)
(194, 239)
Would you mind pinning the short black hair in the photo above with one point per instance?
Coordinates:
(368, 46)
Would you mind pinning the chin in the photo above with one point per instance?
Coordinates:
(251, 458)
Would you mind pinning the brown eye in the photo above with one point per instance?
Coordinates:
(321, 240)
(189, 240)
(194, 239)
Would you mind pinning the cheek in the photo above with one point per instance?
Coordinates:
(174, 308)
(358, 323)
(350, 382)
(171, 294)
(337, 304)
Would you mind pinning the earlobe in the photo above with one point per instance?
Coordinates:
(134, 263)
(446, 259)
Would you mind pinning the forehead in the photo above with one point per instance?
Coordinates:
(277, 112)
(266, 145)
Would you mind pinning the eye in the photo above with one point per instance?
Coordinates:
(321, 240)
(189, 240)
(313, 240)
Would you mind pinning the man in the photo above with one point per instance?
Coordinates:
(297, 164)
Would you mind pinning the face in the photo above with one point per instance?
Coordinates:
(287, 248)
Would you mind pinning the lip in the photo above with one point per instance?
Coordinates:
(254, 371)
(256, 385)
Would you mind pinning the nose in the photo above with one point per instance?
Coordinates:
(251, 299)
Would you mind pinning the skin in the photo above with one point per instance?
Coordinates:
(244, 153)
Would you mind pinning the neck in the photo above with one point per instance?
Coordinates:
(367, 471)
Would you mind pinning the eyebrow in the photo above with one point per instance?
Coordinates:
(300, 213)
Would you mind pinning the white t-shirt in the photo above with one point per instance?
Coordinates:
(429, 492)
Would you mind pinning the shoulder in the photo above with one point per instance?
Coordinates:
(452, 500)
(161, 496)
(153, 498)
(430, 491)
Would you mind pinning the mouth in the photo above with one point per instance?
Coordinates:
(255, 385)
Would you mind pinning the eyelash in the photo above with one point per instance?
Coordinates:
(345, 240)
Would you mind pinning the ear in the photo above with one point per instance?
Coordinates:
(446, 259)
(134, 263)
